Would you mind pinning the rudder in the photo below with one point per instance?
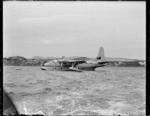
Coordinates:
(101, 54)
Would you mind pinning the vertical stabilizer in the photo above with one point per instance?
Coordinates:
(101, 54)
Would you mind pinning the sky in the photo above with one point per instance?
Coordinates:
(46, 29)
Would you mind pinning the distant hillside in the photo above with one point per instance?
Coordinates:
(15, 60)
(39, 61)
(21, 61)
(39, 57)
(119, 59)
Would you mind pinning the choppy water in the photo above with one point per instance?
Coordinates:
(106, 91)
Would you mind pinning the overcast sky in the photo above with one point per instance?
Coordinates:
(74, 29)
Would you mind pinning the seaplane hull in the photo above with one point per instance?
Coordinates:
(79, 69)
(56, 68)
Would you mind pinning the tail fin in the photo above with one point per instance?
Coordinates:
(101, 54)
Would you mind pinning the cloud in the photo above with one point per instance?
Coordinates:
(55, 18)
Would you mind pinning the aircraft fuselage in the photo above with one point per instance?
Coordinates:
(64, 67)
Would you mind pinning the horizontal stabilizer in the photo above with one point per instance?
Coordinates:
(103, 62)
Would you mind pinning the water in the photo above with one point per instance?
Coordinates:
(106, 91)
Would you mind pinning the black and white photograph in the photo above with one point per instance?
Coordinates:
(74, 58)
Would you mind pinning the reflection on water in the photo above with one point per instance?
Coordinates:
(106, 91)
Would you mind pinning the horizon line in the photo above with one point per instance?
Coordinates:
(72, 56)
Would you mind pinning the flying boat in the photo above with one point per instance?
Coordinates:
(76, 64)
